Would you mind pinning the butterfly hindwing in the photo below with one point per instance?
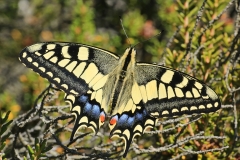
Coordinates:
(167, 92)
(72, 67)
(129, 124)
(88, 113)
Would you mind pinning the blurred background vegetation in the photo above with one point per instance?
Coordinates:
(205, 47)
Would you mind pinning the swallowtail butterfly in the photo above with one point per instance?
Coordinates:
(99, 84)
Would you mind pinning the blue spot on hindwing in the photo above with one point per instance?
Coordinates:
(126, 121)
(95, 110)
(130, 121)
(122, 120)
(144, 113)
(87, 107)
(103, 114)
(83, 99)
(138, 116)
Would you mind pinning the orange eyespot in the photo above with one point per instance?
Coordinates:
(113, 120)
(102, 118)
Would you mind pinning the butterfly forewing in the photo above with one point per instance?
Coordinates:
(167, 92)
(72, 67)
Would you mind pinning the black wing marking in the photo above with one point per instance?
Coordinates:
(72, 67)
(88, 113)
(167, 92)
(130, 123)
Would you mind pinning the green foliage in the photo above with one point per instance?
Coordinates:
(4, 125)
(206, 59)
(7, 102)
(39, 150)
(33, 85)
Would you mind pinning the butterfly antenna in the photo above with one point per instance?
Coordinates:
(148, 39)
(125, 33)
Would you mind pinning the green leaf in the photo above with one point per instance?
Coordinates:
(2, 145)
(43, 144)
(5, 126)
(38, 149)
(30, 149)
(6, 117)
(36, 141)
(4, 138)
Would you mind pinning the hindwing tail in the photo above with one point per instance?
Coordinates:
(88, 113)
